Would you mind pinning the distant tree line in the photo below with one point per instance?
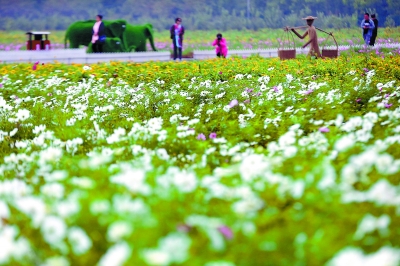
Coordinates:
(196, 14)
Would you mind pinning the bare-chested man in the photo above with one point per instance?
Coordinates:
(312, 33)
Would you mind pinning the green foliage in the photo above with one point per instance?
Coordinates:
(136, 36)
(111, 45)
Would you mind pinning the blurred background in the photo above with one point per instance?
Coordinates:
(196, 14)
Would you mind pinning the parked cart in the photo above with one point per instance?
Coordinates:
(38, 40)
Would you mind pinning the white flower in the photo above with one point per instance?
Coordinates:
(193, 121)
(118, 230)
(23, 114)
(33, 207)
(227, 108)
(387, 256)
(21, 144)
(99, 206)
(156, 257)
(53, 190)
(50, 154)
(369, 224)
(12, 247)
(56, 261)
(86, 68)
(383, 193)
(177, 246)
(56, 175)
(39, 129)
(162, 154)
(4, 211)
(386, 165)
(344, 143)
(13, 132)
(290, 151)
(133, 180)
(53, 229)
(253, 166)
(68, 207)
(116, 255)
(79, 240)
(239, 76)
(247, 205)
(185, 181)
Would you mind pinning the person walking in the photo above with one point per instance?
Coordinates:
(177, 31)
(312, 34)
(99, 35)
(367, 25)
(374, 31)
(220, 46)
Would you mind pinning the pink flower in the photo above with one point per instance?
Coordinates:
(220, 72)
(233, 103)
(380, 89)
(308, 92)
(226, 231)
(246, 101)
(387, 95)
(201, 136)
(323, 129)
(1, 85)
(35, 65)
(249, 90)
(275, 89)
(213, 135)
(388, 105)
(358, 100)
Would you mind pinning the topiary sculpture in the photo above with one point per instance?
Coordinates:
(111, 45)
(135, 37)
(80, 32)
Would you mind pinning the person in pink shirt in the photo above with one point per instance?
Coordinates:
(220, 46)
(99, 35)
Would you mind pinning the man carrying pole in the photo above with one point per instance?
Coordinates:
(312, 33)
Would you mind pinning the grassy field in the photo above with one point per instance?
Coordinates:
(265, 38)
(217, 162)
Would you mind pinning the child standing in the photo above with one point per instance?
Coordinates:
(220, 46)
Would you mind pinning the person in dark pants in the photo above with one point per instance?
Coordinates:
(99, 35)
(177, 31)
(367, 25)
(374, 31)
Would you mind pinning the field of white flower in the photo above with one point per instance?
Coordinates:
(217, 163)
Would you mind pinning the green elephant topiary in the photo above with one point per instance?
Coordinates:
(135, 37)
(111, 45)
(80, 32)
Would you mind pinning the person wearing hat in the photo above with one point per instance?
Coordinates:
(99, 35)
(313, 39)
(177, 31)
(374, 31)
(367, 25)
